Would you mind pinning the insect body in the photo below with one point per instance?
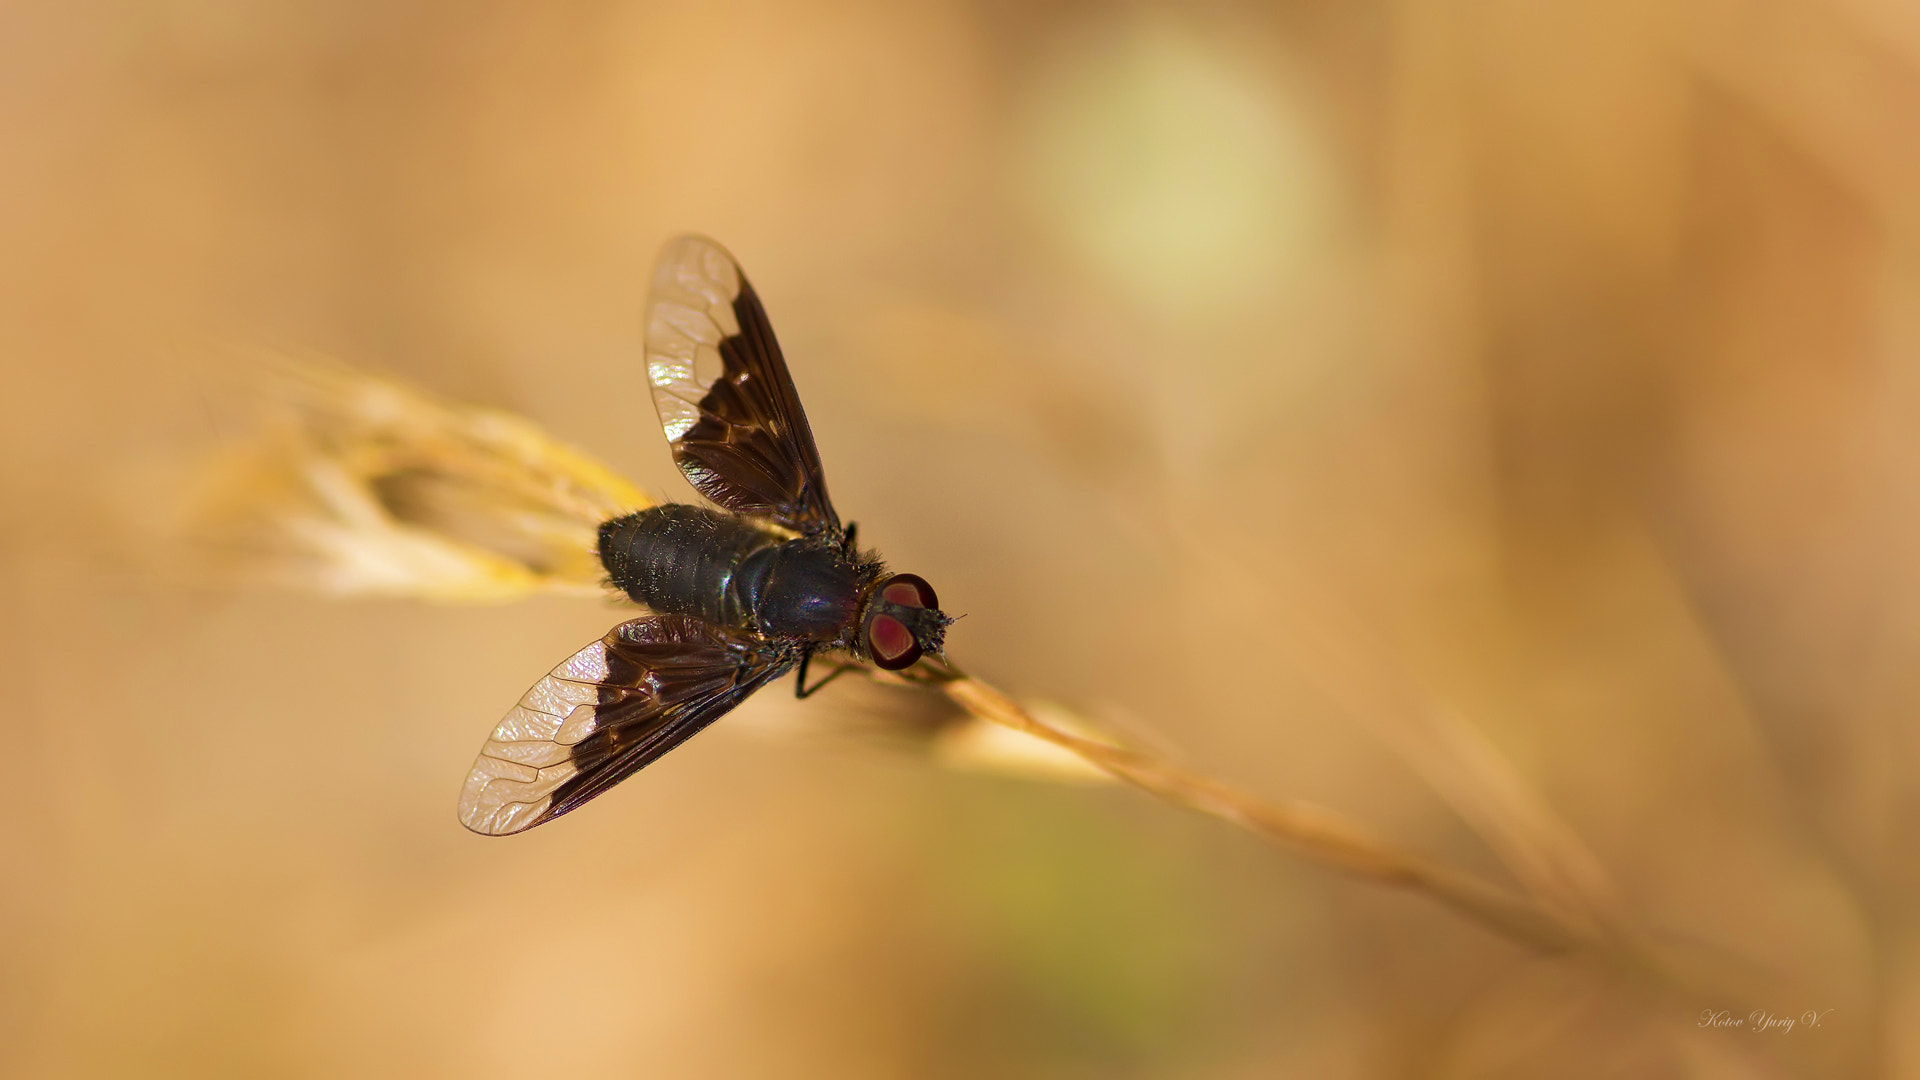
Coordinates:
(739, 595)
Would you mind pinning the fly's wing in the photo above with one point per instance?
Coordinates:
(610, 710)
(724, 395)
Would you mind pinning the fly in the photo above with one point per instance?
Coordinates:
(739, 593)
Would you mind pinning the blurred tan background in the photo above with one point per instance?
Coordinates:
(1557, 366)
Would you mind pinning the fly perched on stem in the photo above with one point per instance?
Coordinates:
(740, 593)
(379, 489)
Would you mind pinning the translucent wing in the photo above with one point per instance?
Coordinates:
(724, 395)
(610, 710)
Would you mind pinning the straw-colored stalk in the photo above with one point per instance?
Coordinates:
(364, 486)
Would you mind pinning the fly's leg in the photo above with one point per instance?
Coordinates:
(800, 687)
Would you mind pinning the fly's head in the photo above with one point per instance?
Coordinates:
(902, 622)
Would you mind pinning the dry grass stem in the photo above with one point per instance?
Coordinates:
(1355, 671)
(364, 486)
(1313, 832)
(370, 487)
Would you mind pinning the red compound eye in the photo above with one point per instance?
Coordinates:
(909, 590)
(891, 643)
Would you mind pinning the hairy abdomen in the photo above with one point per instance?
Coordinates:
(682, 560)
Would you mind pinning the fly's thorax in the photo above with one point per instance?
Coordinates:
(802, 589)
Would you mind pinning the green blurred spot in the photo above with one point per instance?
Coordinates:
(1189, 177)
(1096, 943)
